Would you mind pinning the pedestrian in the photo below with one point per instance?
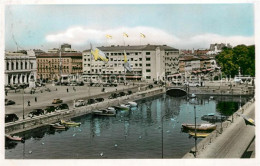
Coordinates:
(116, 90)
(67, 90)
(35, 99)
(29, 103)
(56, 89)
(6, 92)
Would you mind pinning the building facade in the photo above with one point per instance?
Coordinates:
(20, 68)
(50, 66)
(148, 62)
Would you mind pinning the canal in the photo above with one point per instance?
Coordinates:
(135, 134)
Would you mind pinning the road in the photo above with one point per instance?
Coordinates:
(233, 142)
(45, 98)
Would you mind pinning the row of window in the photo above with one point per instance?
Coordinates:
(53, 60)
(15, 66)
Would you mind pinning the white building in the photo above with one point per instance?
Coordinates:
(149, 62)
(20, 68)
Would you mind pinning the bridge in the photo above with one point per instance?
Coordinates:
(176, 91)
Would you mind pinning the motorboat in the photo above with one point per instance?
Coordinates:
(14, 138)
(203, 127)
(248, 120)
(193, 95)
(69, 123)
(201, 135)
(213, 118)
(58, 126)
(123, 107)
(105, 112)
(132, 104)
(211, 98)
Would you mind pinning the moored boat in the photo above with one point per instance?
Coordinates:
(132, 103)
(69, 123)
(123, 107)
(213, 118)
(202, 135)
(14, 138)
(58, 126)
(203, 127)
(193, 95)
(105, 112)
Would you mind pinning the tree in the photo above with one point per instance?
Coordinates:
(230, 59)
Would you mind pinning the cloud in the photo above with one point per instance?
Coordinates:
(81, 37)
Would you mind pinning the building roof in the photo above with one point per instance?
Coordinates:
(135, 48)
(188, 58)
(203, 57)
(55, 55)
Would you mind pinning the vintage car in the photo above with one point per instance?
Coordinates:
(57, 101)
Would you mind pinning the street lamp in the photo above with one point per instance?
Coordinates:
(193, 101)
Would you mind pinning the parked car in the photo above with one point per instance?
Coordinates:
(49, 109)
(113, 96)
(9, 102)
(91, 101)
(36, 112)
(80, 103)
(57, 101)
(11, 118)
(121, 94)
(62, 107)
(99, 99)
(80, 83)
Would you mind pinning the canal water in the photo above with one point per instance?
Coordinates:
(152, 130)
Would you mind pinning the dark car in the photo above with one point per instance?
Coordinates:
(36, 112)
(91, 101)
(121, 94)
(50, 109)
(113, 96)
(9, 102)
(129, 92)
(80, 83)
(62, 107)
(99, 99)
(11, 118)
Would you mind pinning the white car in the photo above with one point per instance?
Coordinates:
(80, 103)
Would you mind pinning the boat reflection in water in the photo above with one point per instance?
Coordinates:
(131, 134)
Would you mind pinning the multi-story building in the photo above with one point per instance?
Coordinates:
(149, 62)
(20, 68)
(205, 62)
(189, 64)
(51, 66)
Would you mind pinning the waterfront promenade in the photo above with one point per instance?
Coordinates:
(234, 140)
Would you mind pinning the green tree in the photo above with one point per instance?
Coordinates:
(230, 59)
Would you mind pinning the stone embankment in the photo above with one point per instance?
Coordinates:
(28, 124)
(231, 138)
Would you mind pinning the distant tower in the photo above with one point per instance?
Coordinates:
(64, 46)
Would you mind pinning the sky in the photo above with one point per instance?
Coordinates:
(182, 26)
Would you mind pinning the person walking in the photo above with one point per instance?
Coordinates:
(67, 90)
(29, 103)
(35, 99)
(6, 92)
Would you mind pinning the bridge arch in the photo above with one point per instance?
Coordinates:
(176, 92)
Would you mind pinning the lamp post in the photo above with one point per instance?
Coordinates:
(23, 102)
(193, 101)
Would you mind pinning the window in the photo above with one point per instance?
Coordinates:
(148, 70)
(136, 53)
(147, 53)
(88, 65)
(140, 59)
(148, 59)
(85, 59)
(140, 64)
(132, 59)
(148, 77)
(136, 65)
(111, 59)
(148, 64)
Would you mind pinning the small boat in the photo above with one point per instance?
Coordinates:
(193, 95)
(69, 123)
(213, 118)
(14, 138)
(249, 121)
(105, 112)
(123, 107)
(58, 126)
(203, 127)
(132, 104)
(202, 135)
(211, 98)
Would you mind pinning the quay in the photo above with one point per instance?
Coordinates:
(231, 140)
(43, 120)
